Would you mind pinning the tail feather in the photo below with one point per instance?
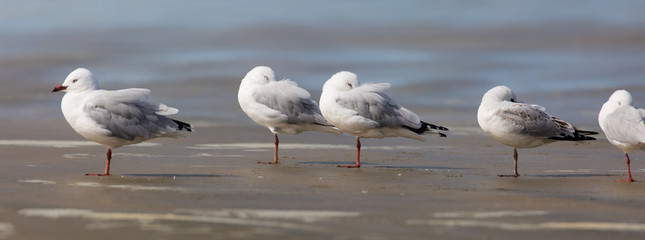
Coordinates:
(428, 127)
(183, 126)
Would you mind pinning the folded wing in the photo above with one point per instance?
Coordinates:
(531, 120)
(128, 114)
(378, 109)
(285, 100)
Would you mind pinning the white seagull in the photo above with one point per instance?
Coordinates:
(521, 125)
(281, 106)
(623, 125)
(365, 111)
(114, 118)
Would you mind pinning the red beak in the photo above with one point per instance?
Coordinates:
(59, 88)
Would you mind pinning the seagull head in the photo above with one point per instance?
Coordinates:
(78, 80)
(259, 75)
(342, 81)
(500, 94)
(620, 98)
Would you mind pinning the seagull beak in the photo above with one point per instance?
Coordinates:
(59, 88)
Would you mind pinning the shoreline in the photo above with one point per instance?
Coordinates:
(210, 185)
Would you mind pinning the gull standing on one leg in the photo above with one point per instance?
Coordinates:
(281, 106)
(521, 125)
(365, 111)
(114, 118)
(624, 125)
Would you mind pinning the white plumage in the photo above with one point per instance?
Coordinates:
(365, 111)
(281, 106)
(623, 125)
(521, 125)
(114, 118)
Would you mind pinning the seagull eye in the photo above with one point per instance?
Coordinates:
(75, 80)
(266, 78)
(350, 85)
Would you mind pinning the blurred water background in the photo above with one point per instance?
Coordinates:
(440, 56)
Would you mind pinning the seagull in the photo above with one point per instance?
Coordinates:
(114, 118)
(281, 106)
(623, 125)
(522, 125)
(365, 111)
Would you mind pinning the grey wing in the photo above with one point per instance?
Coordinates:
(127, 114)
(626, 125)
(528, 120)
(378, 107)
(531, 120)
(287, 98)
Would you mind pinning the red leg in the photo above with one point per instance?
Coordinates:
(107, 166)
(275, 151)
(515, 173)
(358, 156)
(629, 171)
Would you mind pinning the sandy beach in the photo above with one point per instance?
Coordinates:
(209, 186)
(440, 58)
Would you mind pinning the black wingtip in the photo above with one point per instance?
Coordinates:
(432, 126)
(586, 133)
(425, 127)
(578, 135)
(573, 138)
(183, 126)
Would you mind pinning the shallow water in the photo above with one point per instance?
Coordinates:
(441, 54)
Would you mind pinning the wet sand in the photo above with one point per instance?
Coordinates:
(209, 186)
